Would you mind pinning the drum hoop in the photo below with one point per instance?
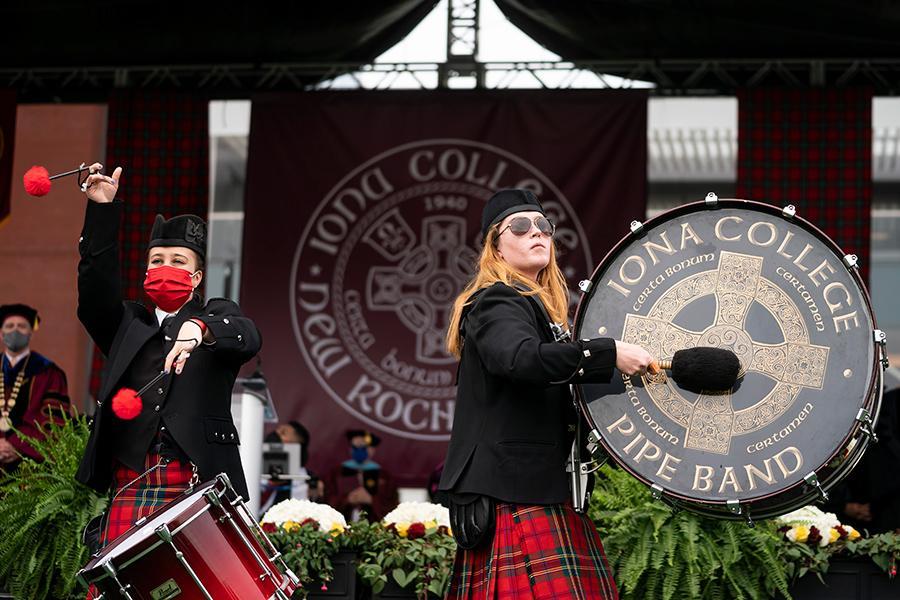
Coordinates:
(872, 395)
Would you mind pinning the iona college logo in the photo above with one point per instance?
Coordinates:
(379, 264)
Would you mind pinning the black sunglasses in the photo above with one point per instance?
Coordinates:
(522, 225)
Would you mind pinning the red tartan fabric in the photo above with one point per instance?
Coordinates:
(161, 141)
(146, 495)
(538, 552)
(811, 148)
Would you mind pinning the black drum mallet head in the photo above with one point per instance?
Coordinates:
(702, 368)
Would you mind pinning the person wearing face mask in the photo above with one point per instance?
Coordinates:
(359, 484)
(514, 422)
(33, 389)
(276, 489)
(184, 430)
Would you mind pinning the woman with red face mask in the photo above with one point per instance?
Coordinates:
(184, 429)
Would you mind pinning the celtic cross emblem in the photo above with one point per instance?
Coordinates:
(736, 284)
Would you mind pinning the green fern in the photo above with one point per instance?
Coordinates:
(657, 552)
(42, 513)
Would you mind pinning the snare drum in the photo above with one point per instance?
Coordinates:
(204, 545)
(775, 290)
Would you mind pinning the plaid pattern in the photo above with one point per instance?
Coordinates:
(161, 141)
(538, 552)
(811, 148)
(146, 495)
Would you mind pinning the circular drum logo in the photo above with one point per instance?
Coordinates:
(776, 295)
(380, 263)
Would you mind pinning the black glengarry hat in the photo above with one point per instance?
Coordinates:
(20, 310)
(183, 231)
(506, 202)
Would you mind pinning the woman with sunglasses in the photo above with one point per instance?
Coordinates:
(514, 420)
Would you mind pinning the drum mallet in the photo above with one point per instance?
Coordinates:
(37, 179)
(701, 368)
(127, 403)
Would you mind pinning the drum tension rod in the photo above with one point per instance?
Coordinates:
(865, 419)
(123, 589)
(735, 508)
(881, 339)
(637, 228)
(812, 480)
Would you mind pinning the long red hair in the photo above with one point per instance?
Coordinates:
(551, 288)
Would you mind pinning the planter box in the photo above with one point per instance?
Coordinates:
(343, 586)
(392, 591)
(848, 580)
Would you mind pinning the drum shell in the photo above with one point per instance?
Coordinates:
(216, 540)
(832, 464)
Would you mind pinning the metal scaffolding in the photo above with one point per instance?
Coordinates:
(666, 77)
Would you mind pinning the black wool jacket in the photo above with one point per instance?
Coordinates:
(513, 422)
(195, 406)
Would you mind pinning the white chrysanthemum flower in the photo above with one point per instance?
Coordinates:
(300, 510)
(419, 512)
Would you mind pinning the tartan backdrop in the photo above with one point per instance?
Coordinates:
(811, 148)
(161, 141)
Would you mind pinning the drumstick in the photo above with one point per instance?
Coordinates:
(37, 179)
(127, 403)
(701, 368)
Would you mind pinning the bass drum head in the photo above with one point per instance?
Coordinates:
(777, 292)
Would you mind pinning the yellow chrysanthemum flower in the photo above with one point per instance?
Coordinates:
(833, 535)
(337, 528)
(802, 533)
(290, 525)
(402, 528)
(853, 534)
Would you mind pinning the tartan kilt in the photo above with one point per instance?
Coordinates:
(146, 495)
(538, 552)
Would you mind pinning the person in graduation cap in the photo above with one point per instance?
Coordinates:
(359, 484)
(511, 512)
(33, 389)
(184, 431)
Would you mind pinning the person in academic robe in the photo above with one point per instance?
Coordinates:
(33, 389)
(359, 484)
(183, 431)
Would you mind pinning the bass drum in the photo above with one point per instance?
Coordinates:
(771, 287)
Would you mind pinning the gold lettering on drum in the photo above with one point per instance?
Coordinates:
(702, 475)
(729, 479)
(753, 471)
(651, 246)
(666, 471)
(789, 461)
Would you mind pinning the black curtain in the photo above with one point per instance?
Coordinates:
(63, 33)
(691, 29)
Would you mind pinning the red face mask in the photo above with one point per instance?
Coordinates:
(168, 287)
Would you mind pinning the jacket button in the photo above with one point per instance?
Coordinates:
(232, 436)
(163, 428)
(212, 315)
(580, 372)
(587, 353)
(240, 337)
(80, 239)
(156, 408)
(160, 391)
(225, 321)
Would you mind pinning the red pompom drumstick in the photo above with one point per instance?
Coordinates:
(127, 403)
(37, 179)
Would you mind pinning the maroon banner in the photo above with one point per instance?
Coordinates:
(362, 223)
(7, 143)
